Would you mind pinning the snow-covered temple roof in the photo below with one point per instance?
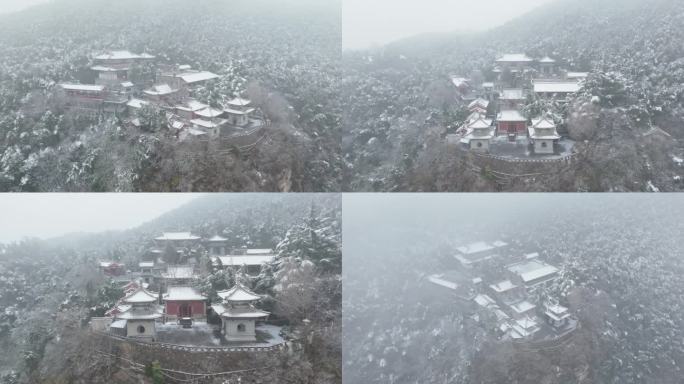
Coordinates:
(82, 87)
(140, 296)
(556, 86)
(177, 236)
(242, 312)
(239, 260)
(239, 293)
(514, 58)
(183, 294)
(510, 115)
(196, 77)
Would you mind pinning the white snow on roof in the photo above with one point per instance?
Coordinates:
(183, 294)
(479, 102)
(259, 251)
(476, 247)
(192, 106)
(499, 243)
(238, 112)
(140, 295)
(547, 60)
(480, 124)
(82, 87)
(512, 94)
(179, 272)
(514, 58)
(577, 75)
(532, 270)
(239, 260)
(177, 236)
(523, 306)
(248, 312)
(240, 102)
(543, 123)
(209, 113)
(484, 301)
(136, 103)
(459, 81)
(122, 55)
(218, 238)
(510, 115)
(532, 255)
(437, 279)
(503, 286)
(238, 293)
(556, 86)
(127, 84)
(160, 90)
(195, 77)
(556, 308)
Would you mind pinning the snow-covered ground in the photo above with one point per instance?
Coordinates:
(203, 334)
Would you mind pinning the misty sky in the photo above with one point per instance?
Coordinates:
(7, 6)
(54, 214)
(369, 22)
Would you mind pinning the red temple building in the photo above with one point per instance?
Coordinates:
(184, 302)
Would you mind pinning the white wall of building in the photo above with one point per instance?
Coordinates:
(133, 331)
(231, 332)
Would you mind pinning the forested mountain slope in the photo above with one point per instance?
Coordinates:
(50, 289)
(620, 275)
(401, 102)
(284, 53)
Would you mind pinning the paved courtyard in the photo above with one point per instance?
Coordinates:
(203, 334)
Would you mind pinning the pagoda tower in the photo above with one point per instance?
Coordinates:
(238, 314)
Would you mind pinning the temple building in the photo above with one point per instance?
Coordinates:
(532, 272)
(238, 111)
(556, 315)
(556, 89)
(252, 263)
(217, 246)
(184, 302)
(113, 68)
(177, 240)
(138, 317)
(512, 98)
(543, 135)
(479, 134)
(83, 97)
(238, 314)
(511, 123)
(163, 93)
(547, 66)
(472, 254)
(188, 80)
(478, 106)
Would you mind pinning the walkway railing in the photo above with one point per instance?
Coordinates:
(566, 158)
(196, 348)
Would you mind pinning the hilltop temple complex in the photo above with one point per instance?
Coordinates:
(178, 302)
(496, 108)
(506, 290)
(126, 83)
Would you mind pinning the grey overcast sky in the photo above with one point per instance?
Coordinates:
(7, 6)
(55, 214)
(366, 23)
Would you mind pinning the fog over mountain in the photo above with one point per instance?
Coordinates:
(7, 6)
(50, 215)
(367, 23)
(418, 308)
